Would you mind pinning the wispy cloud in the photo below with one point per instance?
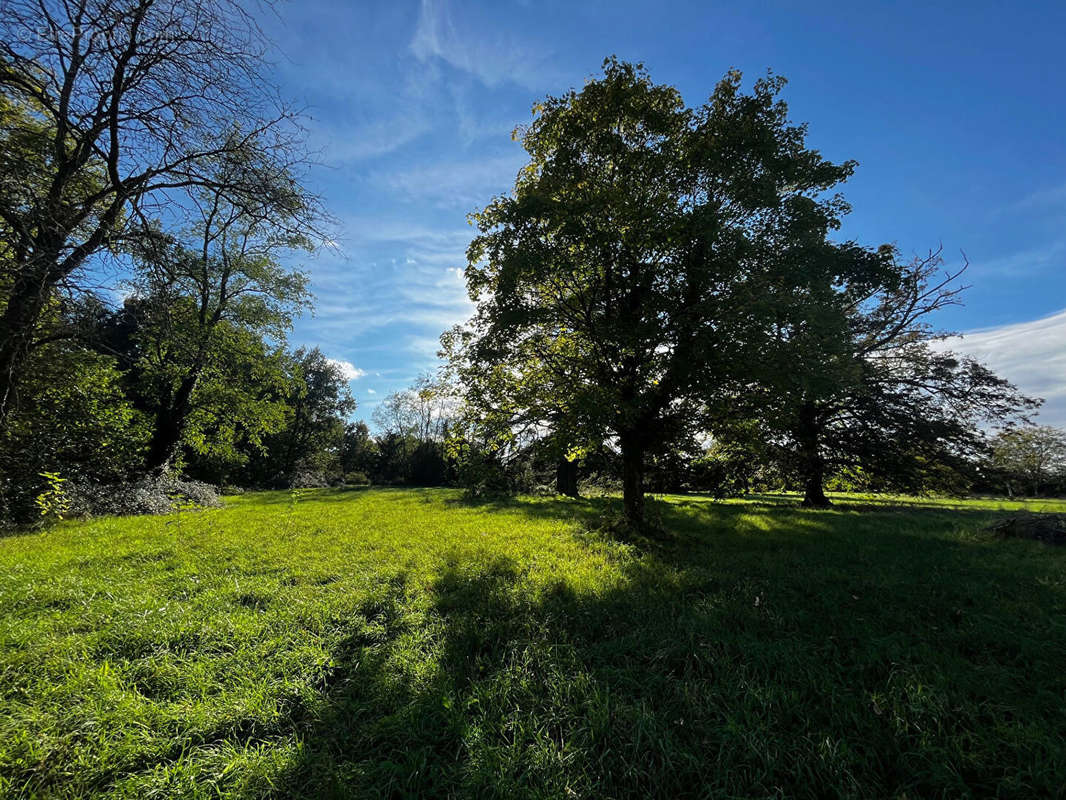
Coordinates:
(1048, 198)
(398, 281)
(1027, 262)
(491, 56)
(424, 347)
(463, 185)
(339, 144)
(1032, 355)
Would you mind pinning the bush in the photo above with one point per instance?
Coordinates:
(599, 484)
(726, 471)
(482, 475)
(54, 502)
(428, 466)
(357, 479)
(60, 498)
(146, 496)
(304, 478)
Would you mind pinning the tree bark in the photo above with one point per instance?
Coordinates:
(633, 480)
(813, 495)
(18, 325)
(566, 477)
(812, 465)
(166, 435)
(169, 428)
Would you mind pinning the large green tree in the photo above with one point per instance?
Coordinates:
(633, 268)
(113, 112)
(359, 451)
(318, 402)
(1032, 456)
(853, 377)
(201, 323)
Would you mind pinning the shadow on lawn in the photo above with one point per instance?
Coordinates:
(707, 669)
(689, 521)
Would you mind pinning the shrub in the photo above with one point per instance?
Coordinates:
(72, 420)
(357, 479)
(53, 503)
(484, 476)
(726, 471)
(599, 484)
(304, 478)
(428, 465)
(146, 496)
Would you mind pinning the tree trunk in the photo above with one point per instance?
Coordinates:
(813, 495)
(17, 327)
(169, 428)
(812, 464)
(295, 432)
(633, 481)
(166, 435)
(566, 477)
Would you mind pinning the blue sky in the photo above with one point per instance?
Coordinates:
(955, 116)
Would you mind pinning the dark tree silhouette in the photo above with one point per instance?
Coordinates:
(857, 379)
(628, 274)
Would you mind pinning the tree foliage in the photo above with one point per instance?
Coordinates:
(118, 113)
(1029, 458)
(860, 382)
(317, 402)
(631, 273)
(81, 425)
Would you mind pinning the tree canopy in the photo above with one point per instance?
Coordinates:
(663, 296)
(637, 266)
(125, 112)
(857, 381)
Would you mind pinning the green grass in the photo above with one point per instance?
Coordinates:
(404, 643)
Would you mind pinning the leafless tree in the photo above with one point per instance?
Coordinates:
(424, 411)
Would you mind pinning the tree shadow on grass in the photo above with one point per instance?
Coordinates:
(703, 668)
(691, 522)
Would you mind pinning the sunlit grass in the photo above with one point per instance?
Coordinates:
(398, 642)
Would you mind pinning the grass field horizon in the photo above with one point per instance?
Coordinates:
(408, 643)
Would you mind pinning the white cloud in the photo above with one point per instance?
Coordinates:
(1042, 199)
(1032, 355)
(422, 286)
(390, 296)
(347, 368)
(370, 391)
(424, 346)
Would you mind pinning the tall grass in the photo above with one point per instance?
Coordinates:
(373, 643)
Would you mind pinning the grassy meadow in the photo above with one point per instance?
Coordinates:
(406, 643)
